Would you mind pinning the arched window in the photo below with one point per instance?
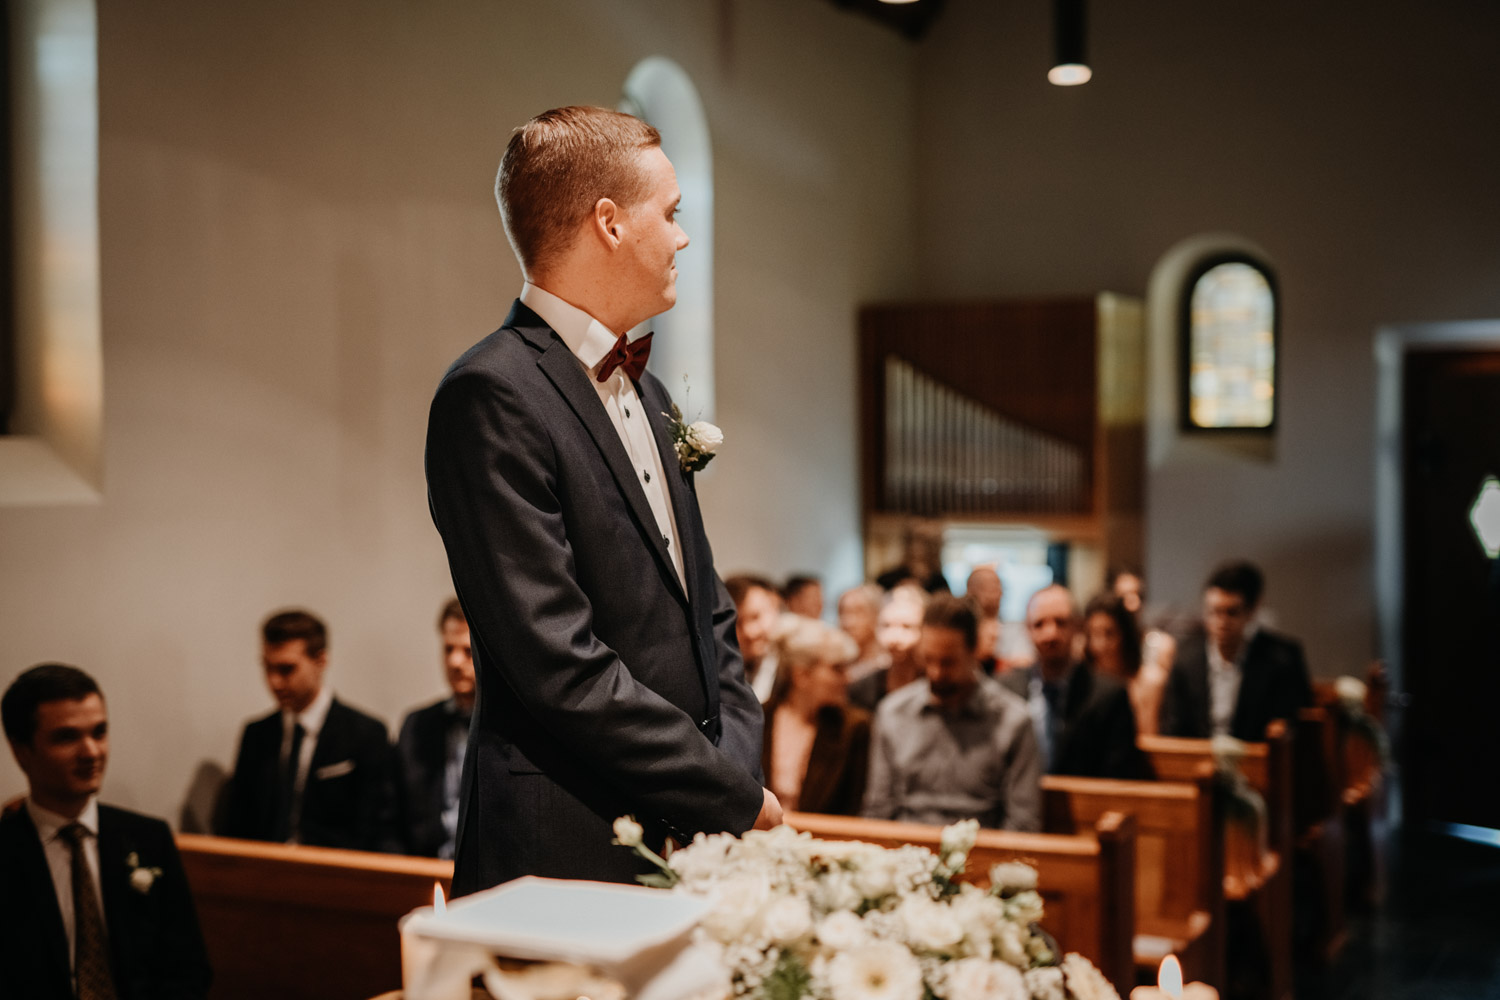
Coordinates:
(1229, 337)
(660, 92)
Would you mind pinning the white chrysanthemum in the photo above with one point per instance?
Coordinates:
(787, 919)
(980, 979)
(930, 926)
(1012, 876)
(842, 931)
(1084, 981)
(875, 876)
(1046, 984)
(875, 972)
(704, 436)
(737, 903)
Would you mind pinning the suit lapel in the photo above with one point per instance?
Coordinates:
(1254, 679)
(562, 368)
(114, 886)
(658, 413)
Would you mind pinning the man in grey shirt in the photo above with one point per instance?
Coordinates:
(954, 745)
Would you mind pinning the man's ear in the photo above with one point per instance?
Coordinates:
(605, 222)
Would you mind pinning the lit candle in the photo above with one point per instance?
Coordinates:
(1169, 985)
(431, 968)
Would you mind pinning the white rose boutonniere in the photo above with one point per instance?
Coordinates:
(696, 443)
(141, 877)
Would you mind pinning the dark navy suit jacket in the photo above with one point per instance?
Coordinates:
(156, 948)
(606, 687)
(1274, 684)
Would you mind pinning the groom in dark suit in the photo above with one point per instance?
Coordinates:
(94, 904)
(609, 679)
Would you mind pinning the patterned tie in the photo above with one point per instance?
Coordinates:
(90, 954)
(629, 356)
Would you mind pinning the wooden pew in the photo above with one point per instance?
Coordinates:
(1179, 868)
(1359, 780)
(293, 922)
(1087, 882)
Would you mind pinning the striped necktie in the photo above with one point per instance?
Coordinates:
(90, 953)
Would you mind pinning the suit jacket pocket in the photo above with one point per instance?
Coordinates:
(335, 770)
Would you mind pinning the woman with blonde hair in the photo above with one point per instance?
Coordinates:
(817, 748)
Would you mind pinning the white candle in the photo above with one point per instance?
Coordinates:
(1169, 985)
(431, 968)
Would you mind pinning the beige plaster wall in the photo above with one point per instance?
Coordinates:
(1357, 147)
(297, 236)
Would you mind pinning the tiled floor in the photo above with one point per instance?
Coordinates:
(1436, 936)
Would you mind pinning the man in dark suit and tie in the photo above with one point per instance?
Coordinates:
(430, 749)
(315, 771)
(1084, 722)
(94, 904)
(609, 679)
(1232, 676)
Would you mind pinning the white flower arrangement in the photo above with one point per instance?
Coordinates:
(794, 918)
(141, 877)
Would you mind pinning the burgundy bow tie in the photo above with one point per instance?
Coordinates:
(629, 356)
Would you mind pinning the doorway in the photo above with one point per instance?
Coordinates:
(1450, 646)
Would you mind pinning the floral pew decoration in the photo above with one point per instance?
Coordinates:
(793, 917)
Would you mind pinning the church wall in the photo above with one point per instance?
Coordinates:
(1358, 149)
(298, 235)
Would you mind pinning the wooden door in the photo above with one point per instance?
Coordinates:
(1451, 643)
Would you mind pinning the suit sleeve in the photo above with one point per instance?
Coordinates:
(1174, 704)
(740, 713)
(1022, 783)
(880, 796)
(492, 484)
(182, 972)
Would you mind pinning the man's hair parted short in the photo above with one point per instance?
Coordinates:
(289, 626)
(452, 612)
(956, 613)
(1239, 577)
(35, 687)
(741, 584)
(555, 169)
(797, 582)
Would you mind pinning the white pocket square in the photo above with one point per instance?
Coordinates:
(333, 770)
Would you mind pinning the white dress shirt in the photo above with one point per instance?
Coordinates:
(60, 858)
(590, 341)
(311, 718)
(1224, 683)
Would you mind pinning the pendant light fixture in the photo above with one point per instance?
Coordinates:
(1070, 67)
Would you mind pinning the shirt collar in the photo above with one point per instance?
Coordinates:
(588, 339)
(313, 716)
(1216, 658)
(48, 823)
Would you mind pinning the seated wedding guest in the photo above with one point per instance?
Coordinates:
(1232, 676)
(1158, 647)
(757, 605)
(315, 771)
(859, 609)
(897, 629)
(955, 745)
(1084, 722)
(1126, 583)
(921, 562)
(816, 753)
(986, 591)
(94, 903)
(803, 595)
(430, 749)
(1112, 647)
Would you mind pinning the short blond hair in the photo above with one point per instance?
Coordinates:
(555, 169)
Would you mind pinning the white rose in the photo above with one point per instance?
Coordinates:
(628, 831)
(979, 979)
(1351, 691)
(930, 926)
(842, 931)
(836, 891)
(1046, 984)
(704, 436)
(786, 920)
(875, 877)
(875, 972)
(1012, 876)
(141, 880)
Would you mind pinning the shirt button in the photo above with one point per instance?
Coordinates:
(647, 475)
(667, 540)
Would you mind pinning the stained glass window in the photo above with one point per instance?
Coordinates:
(1229, 347)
